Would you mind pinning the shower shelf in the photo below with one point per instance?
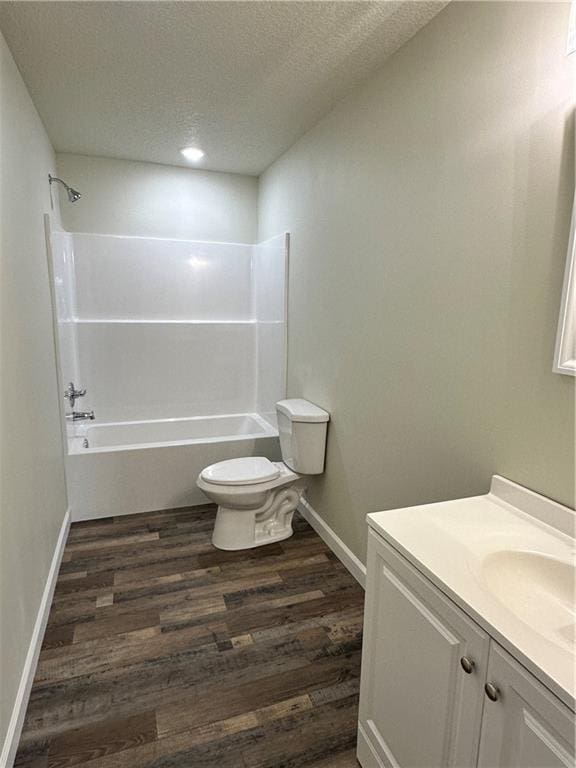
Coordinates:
(138, 321)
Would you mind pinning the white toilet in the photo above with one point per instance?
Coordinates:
(256, 497)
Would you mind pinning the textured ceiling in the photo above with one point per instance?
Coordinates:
(242, 80)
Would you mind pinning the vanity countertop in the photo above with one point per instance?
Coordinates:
(507, 559)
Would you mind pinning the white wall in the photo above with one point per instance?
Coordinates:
(130, 198)
(32, 483)
(429, 216)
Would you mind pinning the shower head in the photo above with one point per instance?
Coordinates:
(73, 194)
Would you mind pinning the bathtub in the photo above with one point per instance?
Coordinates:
(119, 468)
(135, 435)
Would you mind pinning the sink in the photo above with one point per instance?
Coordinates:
(507, 559)
(538, 588)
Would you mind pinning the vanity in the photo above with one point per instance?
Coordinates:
(469, 634)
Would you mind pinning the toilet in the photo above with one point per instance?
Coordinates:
(257, 497)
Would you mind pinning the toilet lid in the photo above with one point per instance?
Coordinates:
(254, 469)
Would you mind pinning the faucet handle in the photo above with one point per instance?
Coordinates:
(72, 394)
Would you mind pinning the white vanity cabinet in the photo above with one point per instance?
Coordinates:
(418, 707)
(526, 727)
(425, 666)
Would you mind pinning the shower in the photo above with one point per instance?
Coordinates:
(73, 194)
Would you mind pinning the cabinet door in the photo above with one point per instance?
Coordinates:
(526, 726)
(418, 707)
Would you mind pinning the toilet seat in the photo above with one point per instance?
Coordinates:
(251, 470)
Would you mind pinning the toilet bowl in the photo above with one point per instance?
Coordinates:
(257, 497)
(256, 501)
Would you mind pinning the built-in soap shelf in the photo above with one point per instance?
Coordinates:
(157, 321)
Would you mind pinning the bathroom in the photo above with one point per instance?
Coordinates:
(288, 347)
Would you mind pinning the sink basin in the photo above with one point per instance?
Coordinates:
(539, 589)
(507, 559)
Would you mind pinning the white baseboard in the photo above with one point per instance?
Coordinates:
(365, 751)
(342, 552)
(21, 703)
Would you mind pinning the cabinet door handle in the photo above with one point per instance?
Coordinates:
(492, 691)
(467, 664)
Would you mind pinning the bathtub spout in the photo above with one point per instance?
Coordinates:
(80, 416)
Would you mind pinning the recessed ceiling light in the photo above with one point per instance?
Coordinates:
(192, 153)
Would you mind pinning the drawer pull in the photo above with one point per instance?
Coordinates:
(468, 665)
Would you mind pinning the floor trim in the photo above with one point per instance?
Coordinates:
(21, 703)
(342, 552)
(365, 752)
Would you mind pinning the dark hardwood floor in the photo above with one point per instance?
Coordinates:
(163, 652)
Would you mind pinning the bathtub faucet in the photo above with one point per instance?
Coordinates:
(80, 416)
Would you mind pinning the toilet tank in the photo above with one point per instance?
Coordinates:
(302, 427)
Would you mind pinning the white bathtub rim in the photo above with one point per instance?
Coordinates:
(206, 417)
(269, 431)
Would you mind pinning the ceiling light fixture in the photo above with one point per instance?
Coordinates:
(192, 153)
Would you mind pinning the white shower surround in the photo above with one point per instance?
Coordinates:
(174, 341)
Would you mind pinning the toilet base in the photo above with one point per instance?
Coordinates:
(236, 529)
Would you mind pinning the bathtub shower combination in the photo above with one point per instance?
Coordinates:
(181, 347)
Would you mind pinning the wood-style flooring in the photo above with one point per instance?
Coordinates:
(163, 652)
